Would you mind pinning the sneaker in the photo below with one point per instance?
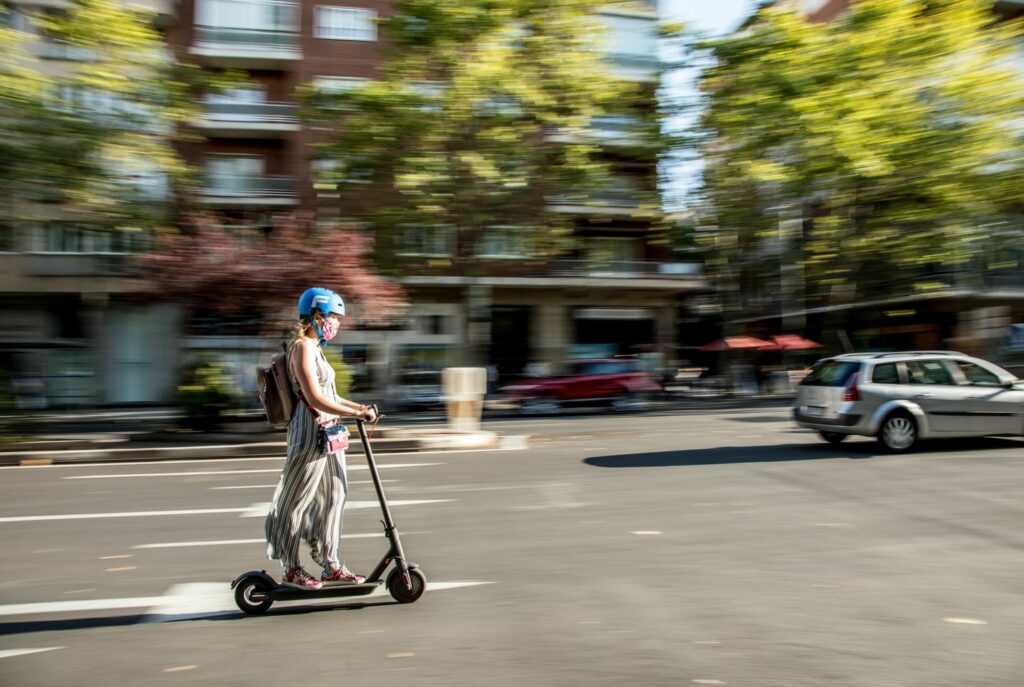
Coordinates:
(297, 578)
(341, 575)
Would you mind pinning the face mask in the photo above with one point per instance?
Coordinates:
(330, 329)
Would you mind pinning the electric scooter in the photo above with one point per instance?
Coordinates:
(256, 591)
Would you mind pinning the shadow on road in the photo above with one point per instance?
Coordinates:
(726, 455)
(30, 626)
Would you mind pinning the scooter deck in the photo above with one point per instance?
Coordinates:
(282, 593)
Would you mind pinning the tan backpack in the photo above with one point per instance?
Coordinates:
(275, 390)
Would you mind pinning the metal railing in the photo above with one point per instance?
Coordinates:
(624, 268)
(264, 38)
(275, 186)
(283, 113)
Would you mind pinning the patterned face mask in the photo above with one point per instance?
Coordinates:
(330, 329)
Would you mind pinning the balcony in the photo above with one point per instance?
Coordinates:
(589, 274)
(249, 191)
(247, 120)
(622, 202)
(246, 48)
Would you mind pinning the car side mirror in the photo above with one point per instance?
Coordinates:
(1009, 384)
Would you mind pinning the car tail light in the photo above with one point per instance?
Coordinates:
(851, 392)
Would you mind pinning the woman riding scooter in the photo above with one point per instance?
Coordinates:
(311, 493)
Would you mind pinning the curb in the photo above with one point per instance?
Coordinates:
(271, 449)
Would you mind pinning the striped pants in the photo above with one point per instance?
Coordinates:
(309, 500)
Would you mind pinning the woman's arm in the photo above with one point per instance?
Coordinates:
(305, 374)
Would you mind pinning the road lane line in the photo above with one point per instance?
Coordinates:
(192, 600)
(132, 514)
(260, 510)
(200, 473)
(21, 652)
(261, 540)
(273, 486)
(83, 605)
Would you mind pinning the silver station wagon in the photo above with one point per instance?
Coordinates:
(900, 398)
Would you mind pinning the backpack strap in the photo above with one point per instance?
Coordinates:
(298, 388)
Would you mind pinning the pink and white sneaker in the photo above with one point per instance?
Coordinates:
(341, 575)
(297, 578)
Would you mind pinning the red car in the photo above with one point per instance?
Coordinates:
(620, 383)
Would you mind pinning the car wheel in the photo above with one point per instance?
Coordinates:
(628, 401)
(898, 433)
(834, 437)
(540, 405)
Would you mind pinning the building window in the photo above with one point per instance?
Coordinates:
(250, 15)
(503, 242)
(435, 325)
(337, 84)
(346, 24)
(427, 241)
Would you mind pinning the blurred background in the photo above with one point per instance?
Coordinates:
(593, 180)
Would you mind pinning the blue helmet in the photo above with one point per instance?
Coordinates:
(324, 300)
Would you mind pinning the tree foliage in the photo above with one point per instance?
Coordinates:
(867, 151)
(251, 283)
(94, 135)
(457, 130)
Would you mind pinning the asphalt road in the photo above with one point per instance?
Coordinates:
(680, 548)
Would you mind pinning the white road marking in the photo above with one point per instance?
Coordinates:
(274, 486)
(111, 558)
(178, 669)
(21, 652)
(211, 599)
(261, 540)
(965, 621)
(83, 605)
(200, 473)
(260, 510)
(132, 514)
(645, 532)
(124, 569)
(406, 654)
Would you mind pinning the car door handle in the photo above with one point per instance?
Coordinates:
(922, 395)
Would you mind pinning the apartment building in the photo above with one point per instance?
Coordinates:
(617, 294)
(69, 333)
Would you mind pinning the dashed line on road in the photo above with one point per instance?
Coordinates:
(178, 669)
(261, 540)
(260, 510)
(203, 473)
(645, 532)
(274, 486)
(964, 621)
(10, 653)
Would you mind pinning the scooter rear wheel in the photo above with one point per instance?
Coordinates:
(403, 594)
(253, 597)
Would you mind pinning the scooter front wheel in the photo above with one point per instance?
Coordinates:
(403, 594)
(252, 596)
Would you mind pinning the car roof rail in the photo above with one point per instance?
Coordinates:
(912, 353)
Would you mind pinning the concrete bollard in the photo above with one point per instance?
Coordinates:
(464, 389)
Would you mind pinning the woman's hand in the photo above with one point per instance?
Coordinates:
(368, 414)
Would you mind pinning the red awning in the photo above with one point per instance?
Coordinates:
(731, 343)
(790, 342)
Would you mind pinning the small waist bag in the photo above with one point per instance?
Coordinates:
(333, 438)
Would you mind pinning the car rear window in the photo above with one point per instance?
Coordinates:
(885, 373)
(830, 373)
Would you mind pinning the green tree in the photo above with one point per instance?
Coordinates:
(93, 142)
(457, 132)
(868, 152)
